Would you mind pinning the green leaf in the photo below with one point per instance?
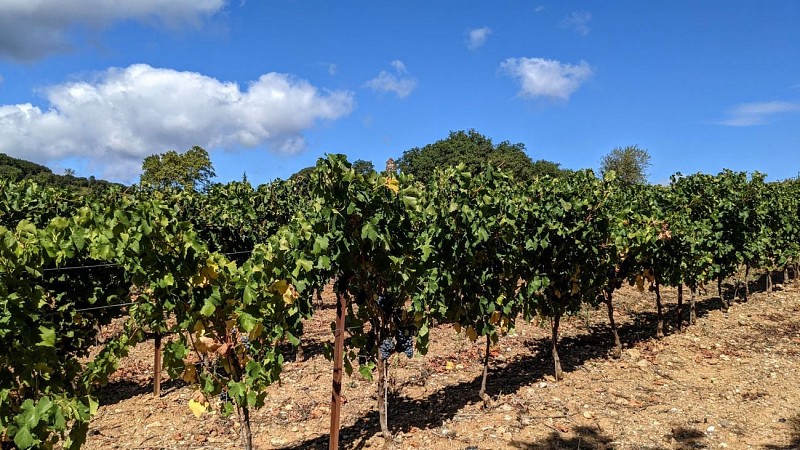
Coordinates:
(48, 336)
(247, 322)
(23, 438)
(208, 308)
(366, 371)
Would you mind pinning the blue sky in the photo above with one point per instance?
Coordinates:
(270, 86)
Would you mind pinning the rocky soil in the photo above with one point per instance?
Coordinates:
(732, 380)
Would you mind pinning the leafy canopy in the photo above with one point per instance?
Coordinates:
(630, 164)
(471, 149)
(191, 170)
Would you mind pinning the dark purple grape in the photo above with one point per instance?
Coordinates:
(387, 348)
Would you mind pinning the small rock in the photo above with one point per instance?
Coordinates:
(277, 441)
(710, 429)
(543, 384)
(633, 353)
(588, 414)
(643, 363)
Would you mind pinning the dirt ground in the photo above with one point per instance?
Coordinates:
(732, 380)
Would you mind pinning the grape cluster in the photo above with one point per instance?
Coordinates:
(405, 344)
(387, 348)
(224, 397)
(245, 342)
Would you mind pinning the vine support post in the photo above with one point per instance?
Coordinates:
(338, 358)
(692, 307)
(157, 366)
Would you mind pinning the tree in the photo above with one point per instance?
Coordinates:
(543, 167)
(363, 167)
(629, 163)
(470, 148)
(190, 170)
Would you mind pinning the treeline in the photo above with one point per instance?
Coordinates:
(228, 275)
(15, 170)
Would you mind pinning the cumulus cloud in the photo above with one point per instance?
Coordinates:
(540, 77)
(122, 115)
(477, 37)
(757, 113)
(397, 81)
(31, 29)
(578, 21)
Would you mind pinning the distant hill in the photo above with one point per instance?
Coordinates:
(15, 169)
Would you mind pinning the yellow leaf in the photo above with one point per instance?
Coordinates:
(286, 290)
(650, 276)
(472, 334)
(393, 184)
(449, 365)
(205, 344)
(207, 274)
(640, 283)
(495, 318)
(189, 374)
(197, 408)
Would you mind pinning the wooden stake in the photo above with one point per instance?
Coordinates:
(338, 357)
(157, 367)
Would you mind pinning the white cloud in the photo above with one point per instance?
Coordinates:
(540, 77)
(124, 114)
(477, 37)
(757, 113)
(31, 29)
(398, 82)
(399, 66)
(578, 21)
(539, 9)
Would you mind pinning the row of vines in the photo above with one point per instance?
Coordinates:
(230, 275)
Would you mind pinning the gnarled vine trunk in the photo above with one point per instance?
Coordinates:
(659, 312)
(680, 307)
(617, 352)
(383, 397)
(746, 283)
(558, 373)
(482, 392)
